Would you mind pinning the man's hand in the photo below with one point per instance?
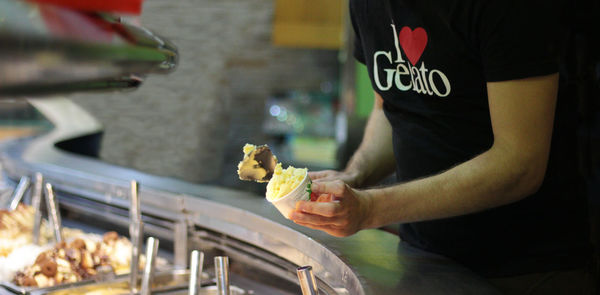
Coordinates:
(332, 175)
(374, 158)
(347, 214)
(522, 115)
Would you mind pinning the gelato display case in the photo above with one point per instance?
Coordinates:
(264, 249)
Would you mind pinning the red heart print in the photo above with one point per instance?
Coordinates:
(413, 43)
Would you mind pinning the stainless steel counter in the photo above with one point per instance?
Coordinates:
(369, 262)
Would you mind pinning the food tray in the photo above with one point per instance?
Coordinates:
(209, 290)
(37, 290)
(163, 281)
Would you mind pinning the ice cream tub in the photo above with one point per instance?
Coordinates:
(163, 281)
(287, 203)
(42, 290)
(212, 290)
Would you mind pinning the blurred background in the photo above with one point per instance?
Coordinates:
(276, 72)
(255, 71)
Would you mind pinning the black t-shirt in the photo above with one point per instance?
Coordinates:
(431, 68)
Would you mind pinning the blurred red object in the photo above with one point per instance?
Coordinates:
(76, 25)
(113, 6)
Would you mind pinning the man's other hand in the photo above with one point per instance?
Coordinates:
(348, 213)
(348, 178)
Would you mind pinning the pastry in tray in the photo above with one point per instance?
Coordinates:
(16, 240)
(16, 230)
(77, 260)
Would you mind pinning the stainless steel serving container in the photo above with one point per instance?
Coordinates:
(36, 290)
(163, 281)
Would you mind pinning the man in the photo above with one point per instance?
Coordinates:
(466, 93)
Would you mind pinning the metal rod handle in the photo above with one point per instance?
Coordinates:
(135, 211)
(196, 265)
(136, 230)
(54, 213)
(19, 192)
(222, 275)
(151, 250)
(137, 243)
(307, 280)
(36, 203)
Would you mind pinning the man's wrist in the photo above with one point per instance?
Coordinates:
(354, 177)
(367, 207)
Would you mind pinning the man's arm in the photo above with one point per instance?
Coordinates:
(374, 158)
(522, 114)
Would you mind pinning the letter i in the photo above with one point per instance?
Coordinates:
(397, 44)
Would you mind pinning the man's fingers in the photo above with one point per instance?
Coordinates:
(332, 230)
(317, 220)
(317, 227)
(328, 209)
(323, 198)
(308, 225)
(336, 188)
(319, 174)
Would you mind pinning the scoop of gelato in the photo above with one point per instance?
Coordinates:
(77, 260)
(258, 163)
(18, 260)
(284, 181)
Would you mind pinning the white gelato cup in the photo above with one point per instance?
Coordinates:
(287, 204)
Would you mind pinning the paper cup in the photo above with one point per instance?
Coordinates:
(287, 204)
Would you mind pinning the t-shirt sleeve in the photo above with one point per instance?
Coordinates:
(358, 49)
(518, 39)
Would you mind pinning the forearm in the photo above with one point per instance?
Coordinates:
(522, 115)
(494, 178)
(374, 159)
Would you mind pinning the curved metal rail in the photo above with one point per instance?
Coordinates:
(241, 225)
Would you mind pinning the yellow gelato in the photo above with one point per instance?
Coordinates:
(284, 181)
(248, 148)
(258, 163)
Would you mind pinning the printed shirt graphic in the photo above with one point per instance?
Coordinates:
(431, 69)
(413, 43)
(406, 76)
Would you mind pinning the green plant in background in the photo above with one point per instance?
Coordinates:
(364, 92)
